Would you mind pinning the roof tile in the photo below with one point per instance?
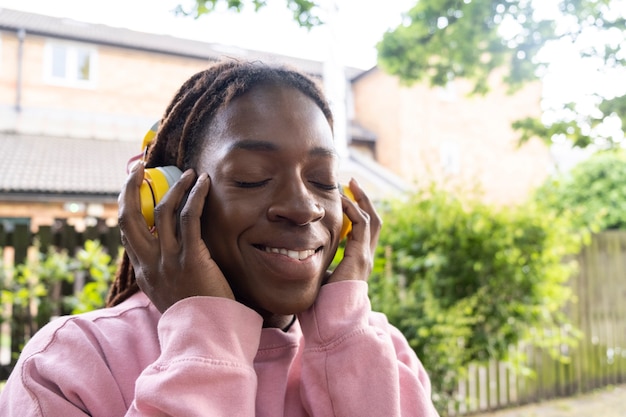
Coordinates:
(40, 164)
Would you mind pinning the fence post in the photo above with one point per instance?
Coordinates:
(69, 239)
(44, 236)
(3, 236)
(21, 242)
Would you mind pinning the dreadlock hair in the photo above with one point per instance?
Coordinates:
(192, 110)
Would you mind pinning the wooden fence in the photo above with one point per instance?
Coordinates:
(20, 239)
(598, 358)
(17, 245)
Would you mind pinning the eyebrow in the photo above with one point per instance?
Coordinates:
(264, 146)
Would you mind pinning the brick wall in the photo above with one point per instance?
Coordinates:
(441, 134)
(423, 134)
(44, 213)
(131, 91)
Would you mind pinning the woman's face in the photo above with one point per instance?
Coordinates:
(273, 214)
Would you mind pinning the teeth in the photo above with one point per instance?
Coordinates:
(293, 254)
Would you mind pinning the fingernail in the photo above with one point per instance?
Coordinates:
(135, 167)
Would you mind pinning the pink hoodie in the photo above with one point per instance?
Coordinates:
(209, 356)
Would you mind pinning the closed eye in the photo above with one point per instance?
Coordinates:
(243, 184)
(323, 186)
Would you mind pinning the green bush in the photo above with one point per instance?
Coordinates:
(465, 281)
(35, 286)
(593, 192)
(36, 290)
(100, 269)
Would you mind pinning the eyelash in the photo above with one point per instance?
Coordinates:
(325, 187)
(243, 184)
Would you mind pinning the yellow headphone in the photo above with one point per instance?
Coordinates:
(157, 181)
(346, 227)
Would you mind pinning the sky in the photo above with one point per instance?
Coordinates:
(361, 24)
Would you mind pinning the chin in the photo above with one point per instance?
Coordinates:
(285, 309)
(284, 306)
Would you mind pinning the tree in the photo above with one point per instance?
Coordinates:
(440, 40)
(443, 40)
(304, 11)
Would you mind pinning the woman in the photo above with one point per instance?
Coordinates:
(227, 307)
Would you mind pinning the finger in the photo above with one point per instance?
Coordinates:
(357, 260)
(358, 217)
(367, 205)
(191, 213)
(166, 212)
(130, 220)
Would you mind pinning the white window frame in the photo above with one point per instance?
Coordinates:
(71, 78)
(450, 156)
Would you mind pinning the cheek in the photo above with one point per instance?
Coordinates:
(220, 219)
(334, 217)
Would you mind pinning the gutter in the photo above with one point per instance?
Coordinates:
(62, 197)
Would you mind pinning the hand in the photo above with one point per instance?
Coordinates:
(358, 260)
(173, 263)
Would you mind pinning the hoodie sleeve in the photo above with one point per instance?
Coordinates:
(206, 365)
(355, 363)
(77, 367)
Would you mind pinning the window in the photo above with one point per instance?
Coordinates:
(7, 224)
(70, 64)
(450, 157)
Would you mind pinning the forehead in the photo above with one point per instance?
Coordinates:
(270, 116)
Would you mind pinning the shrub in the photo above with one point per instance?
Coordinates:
(465, 281)
(592, 193)
(36, 290)
(99, 268)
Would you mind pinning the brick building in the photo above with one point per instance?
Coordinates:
(77, 98)
(425, 134)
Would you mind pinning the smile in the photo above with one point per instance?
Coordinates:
(293, 254)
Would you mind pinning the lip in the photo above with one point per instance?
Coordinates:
(290, 264)
(295, 254)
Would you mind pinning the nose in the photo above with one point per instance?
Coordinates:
(296, 204)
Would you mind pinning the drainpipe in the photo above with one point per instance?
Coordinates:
(21, 34)
(335, 78)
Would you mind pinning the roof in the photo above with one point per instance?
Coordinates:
(48, 166)
(65, 28)
(379, 183)
(59, 168)
(359, 132)
(35, 167)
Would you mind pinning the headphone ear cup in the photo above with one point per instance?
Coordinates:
(346, 227)
(156, 182)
